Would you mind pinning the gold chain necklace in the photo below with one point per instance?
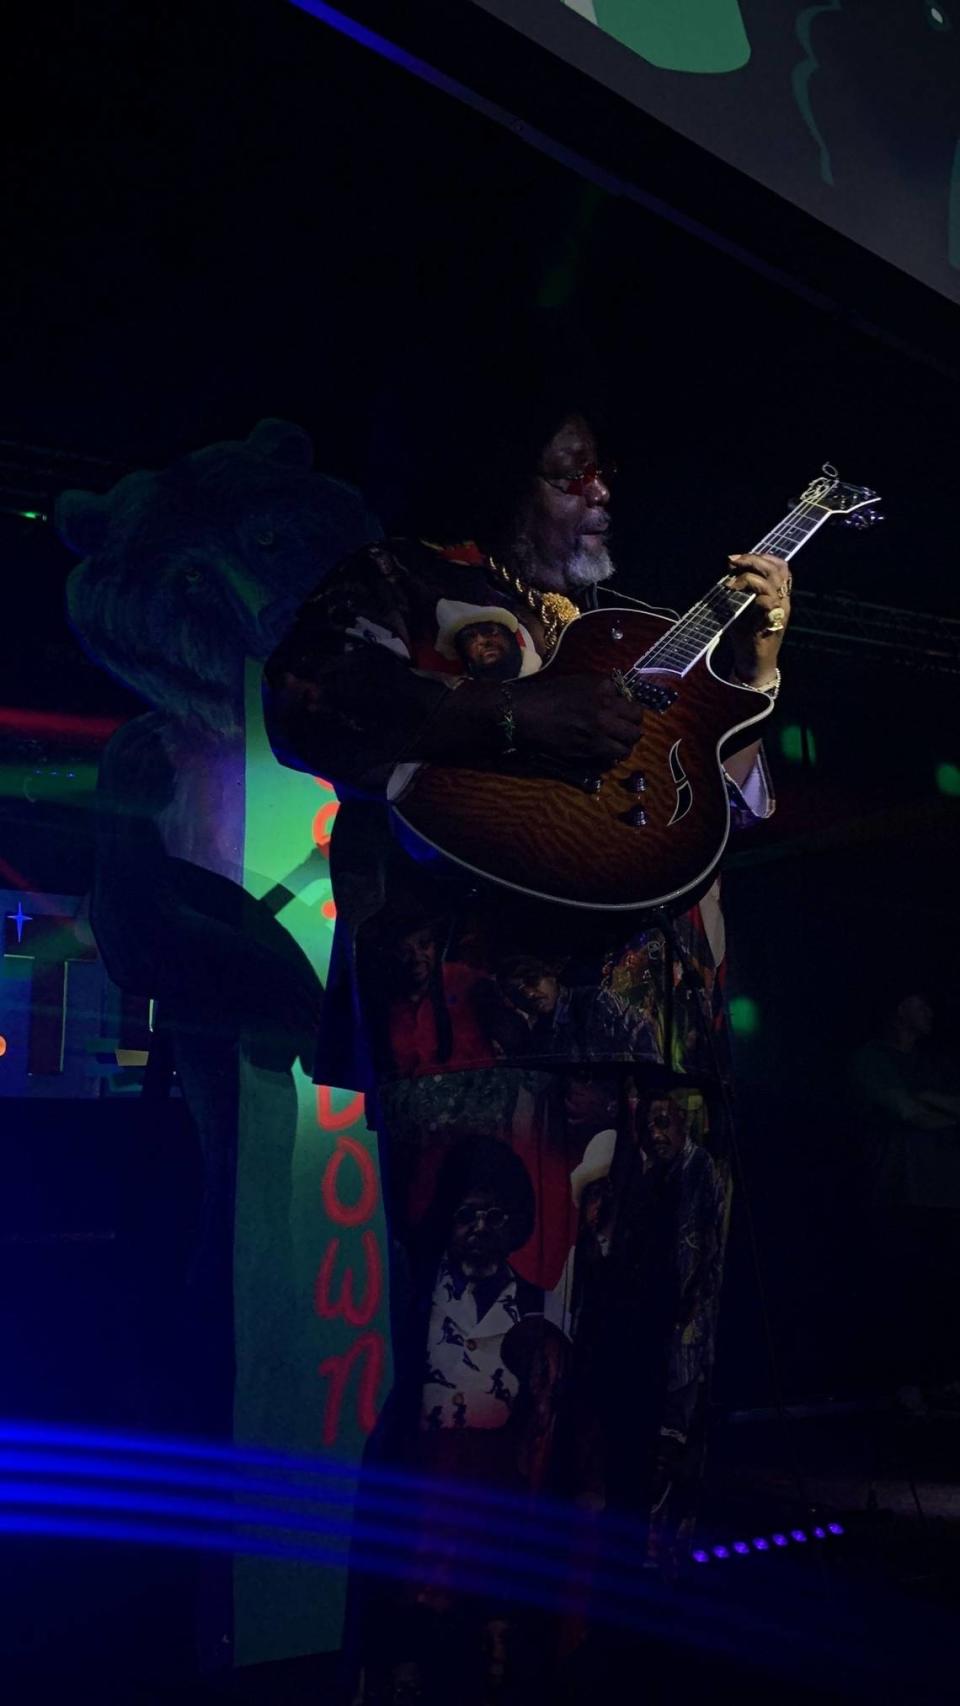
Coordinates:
(554, 609)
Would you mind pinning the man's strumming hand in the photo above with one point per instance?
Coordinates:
(575, 716)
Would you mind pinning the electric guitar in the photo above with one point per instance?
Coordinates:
(649, 832)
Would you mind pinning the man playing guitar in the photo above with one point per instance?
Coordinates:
(502, 997)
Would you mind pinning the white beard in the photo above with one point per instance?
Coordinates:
(588, 568)
(582, 568)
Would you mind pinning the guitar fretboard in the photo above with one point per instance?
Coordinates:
(689, 638)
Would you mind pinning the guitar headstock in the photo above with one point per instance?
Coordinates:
(856, 505)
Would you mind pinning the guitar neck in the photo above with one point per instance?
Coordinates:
(685, 643)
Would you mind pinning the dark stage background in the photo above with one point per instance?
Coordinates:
(216, 214)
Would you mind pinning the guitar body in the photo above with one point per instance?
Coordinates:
(647, 833)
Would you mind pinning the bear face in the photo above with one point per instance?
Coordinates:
(189, 571)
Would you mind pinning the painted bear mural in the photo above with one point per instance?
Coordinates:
(189, 577)
(189, 573)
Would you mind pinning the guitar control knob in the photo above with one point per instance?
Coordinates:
(616, 633)
(637, 783)
(592, 784)
(636, 817)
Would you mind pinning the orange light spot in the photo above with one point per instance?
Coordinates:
(329, 909)
(323, 823)
(3, 1045)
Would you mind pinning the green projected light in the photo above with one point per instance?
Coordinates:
(798, 744)
(47, 782)
(744, 1016)
(676, 35)
(947, 778)
(310, 1295)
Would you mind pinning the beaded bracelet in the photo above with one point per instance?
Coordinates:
(771, 688)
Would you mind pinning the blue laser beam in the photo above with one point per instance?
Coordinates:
(275, 1509)
(265, 1475)
(91, 1485)
(138, 1482)
(371, 1485)
(404, 1504)
(613, 1606)
(634, 1604)
(62, 1494)
(209, 1524)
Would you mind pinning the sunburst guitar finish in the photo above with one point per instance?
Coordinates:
(647, 833)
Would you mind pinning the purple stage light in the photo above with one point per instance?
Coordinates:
(764, 1543)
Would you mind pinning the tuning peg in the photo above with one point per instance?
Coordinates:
(862, 518)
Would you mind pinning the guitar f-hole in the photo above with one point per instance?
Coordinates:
(682, 784)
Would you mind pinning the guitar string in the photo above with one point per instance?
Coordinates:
(686, 628)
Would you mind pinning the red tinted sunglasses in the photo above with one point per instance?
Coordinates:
(574, 485)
